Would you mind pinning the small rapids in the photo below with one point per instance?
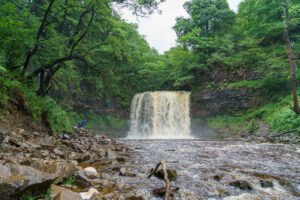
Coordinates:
(208, 169)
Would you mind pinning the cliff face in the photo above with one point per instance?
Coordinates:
(218, 101)
(212, 102)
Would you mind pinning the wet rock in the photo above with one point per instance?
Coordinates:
(110, 154)
(37, 154)
(89, 194)
(217, 177)
(20, 131)
(126, 172)
(241, 184)
(45, 153)
(15, 141)
(96, 197)
(160, 192)
(66, 137)
(6, 148)
(172, 174)
(47, 147)
(38, 164)
(91, 172)
(24, 145)
(102, 152)
(62, 193)
(16, 179)
(134, 197)
(266, 183)
(32, 147)
(61, 169)
(123, 171)
(58, 152)
(81, 180)
(48, 140)
(80, 157)
(2, 135)
(121, 159)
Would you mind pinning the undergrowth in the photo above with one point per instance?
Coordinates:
(36, 105)
(31, 196)
(279, 115)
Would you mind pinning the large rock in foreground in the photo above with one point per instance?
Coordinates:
(17, 179)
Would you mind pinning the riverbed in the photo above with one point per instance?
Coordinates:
(216, 169)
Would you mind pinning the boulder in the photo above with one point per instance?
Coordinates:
(110, 154)
(80, 157)
(62, 193)
(58, 152)
(126, 172)
(134, 197)
(91, 172)
(241, 184)
(172, 174)
(102, 152)
(48, 140)
(16, 179)
(61, 169)
(266, 183)
(81, 180)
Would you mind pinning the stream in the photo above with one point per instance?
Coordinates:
(216, 169)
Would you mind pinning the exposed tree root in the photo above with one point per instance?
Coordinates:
(283, 133)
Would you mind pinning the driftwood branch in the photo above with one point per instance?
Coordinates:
(166, 179)
(283, 133)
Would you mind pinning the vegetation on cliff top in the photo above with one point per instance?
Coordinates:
(75, 60)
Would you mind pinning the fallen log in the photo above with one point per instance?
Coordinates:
(166, 179)
(283, 133)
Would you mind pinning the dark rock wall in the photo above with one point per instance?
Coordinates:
(216, 101)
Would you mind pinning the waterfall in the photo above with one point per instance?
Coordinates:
(160, 115)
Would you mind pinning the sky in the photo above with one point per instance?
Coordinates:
(157, 28)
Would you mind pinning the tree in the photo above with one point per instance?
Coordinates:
(64, 32)
(290, 56)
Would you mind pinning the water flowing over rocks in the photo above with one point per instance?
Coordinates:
(84, 165)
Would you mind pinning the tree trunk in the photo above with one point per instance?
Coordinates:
(290, 56)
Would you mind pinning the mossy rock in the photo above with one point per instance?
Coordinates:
(172, 174)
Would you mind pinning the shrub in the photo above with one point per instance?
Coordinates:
(252, 126)
(285, 119)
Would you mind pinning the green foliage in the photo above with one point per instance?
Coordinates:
(285, 119)
(279, 115)
(69, 181)
(252, 126)
(31, 196)
(225, 121)
(55, 115)
(7, 85)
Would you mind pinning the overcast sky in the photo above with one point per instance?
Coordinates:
(157, 28)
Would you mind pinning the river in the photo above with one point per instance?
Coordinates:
(217, 169)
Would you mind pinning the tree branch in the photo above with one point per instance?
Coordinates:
(55, 62)
(166, 179)
(35, 48)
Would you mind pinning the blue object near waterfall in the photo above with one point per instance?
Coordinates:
(83, 123)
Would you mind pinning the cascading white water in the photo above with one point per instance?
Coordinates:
(160, 115)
